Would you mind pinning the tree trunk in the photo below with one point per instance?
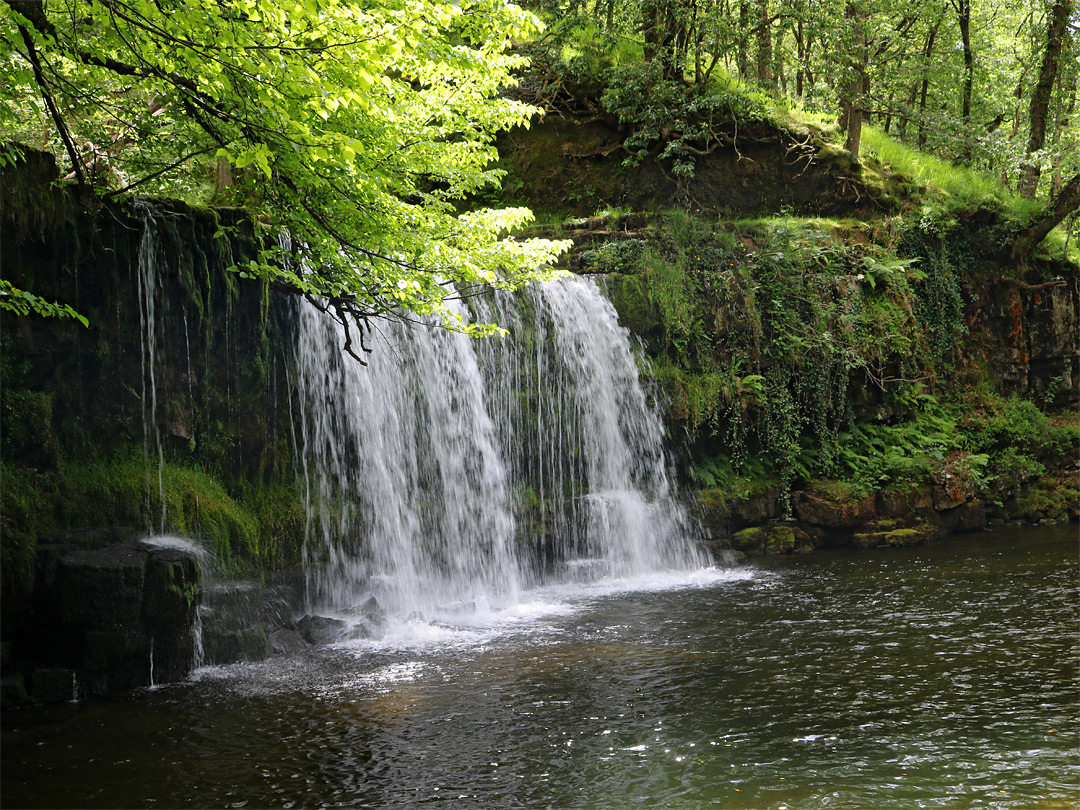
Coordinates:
(928, 52)
(744, 25)
(857, 82)
(777, 57)
(902, 124)
(1067, 201)
(800, 56)
(1062, 126)
(223, 176)
(1040, 100)
(963, 12)
(764, 44)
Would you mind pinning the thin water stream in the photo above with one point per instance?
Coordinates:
(942, 676)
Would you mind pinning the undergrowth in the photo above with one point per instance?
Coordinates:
(807, 349)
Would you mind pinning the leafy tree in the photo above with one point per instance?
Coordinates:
(357, 129)
(1060, 13)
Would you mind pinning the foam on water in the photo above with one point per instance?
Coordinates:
(203, 556)
(533, 614)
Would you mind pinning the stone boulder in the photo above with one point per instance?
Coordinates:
(248, 620)
(901, 503)
(108, 619)
(170, 599)
(285, 641)
(888, 533)
(321, 629)
(969, 516)
(822, 508)
(772, 539)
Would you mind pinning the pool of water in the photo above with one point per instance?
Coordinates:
(937, 676)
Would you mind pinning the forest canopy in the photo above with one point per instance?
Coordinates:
(352, 131)
(988, 84)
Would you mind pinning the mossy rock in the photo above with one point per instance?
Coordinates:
(762, 541)
(1050, 497)
(833, 504)
(882, 537)
(750, 541)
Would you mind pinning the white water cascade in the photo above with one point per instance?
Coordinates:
(453, 472)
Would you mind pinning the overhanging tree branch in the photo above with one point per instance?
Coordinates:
(1066, 201)
(315, 117)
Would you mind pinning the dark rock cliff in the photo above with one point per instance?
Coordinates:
(171, 407)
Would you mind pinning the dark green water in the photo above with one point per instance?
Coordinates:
(942, 676)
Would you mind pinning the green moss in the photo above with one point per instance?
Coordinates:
(772, 539)
(1052, 497)
(781, 540)
(281, 519)
(128, 493)
(265, 528)
(22, 513)
(750, 541)
(841, 492)
(636, 312)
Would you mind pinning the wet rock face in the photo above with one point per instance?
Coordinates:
(248, 620)
(170, 599)
(108, 619)
(321, 629)
(820, 509)
(1030, 337)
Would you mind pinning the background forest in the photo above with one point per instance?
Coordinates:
(988, 85)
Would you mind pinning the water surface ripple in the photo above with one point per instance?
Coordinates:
(937, 677)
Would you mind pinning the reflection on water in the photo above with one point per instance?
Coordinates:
(934, 677)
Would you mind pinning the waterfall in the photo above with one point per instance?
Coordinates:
(452, 471)
(148, 257)
(588, 443)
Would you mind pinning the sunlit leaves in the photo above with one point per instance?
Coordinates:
(358, 129)
(21, 302)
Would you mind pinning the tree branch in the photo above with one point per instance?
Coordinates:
(1023, 285)
(1066, 201)
(160, 172)
(61, 127)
